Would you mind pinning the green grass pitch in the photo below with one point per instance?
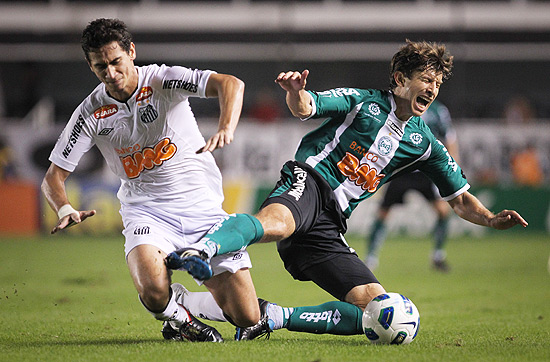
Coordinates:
(66, 298)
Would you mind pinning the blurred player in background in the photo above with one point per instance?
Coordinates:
(368, 137)
(438, 118)
(171, 189)
(7, 168)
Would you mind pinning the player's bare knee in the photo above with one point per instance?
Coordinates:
(276, 229)
(155, 299)
(361, 295)
(277, 221)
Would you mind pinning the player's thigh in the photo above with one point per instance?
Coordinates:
(236, 296)
(148, 272)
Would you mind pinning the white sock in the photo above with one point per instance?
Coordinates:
(203, 305)
(275, 315)
(206, 245)
(439, 255)
(173, 312)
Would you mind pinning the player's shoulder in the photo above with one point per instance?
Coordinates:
(151, 69)
(374, 95)
(417, 125)
(96, 105)
(96, 99)
(376, 100)
(168, 70)
(420, 123)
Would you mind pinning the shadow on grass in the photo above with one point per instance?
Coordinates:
(90, 342)
(302, 340)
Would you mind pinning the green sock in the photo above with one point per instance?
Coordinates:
(377, 237)
(234, 233)
(440, 233)
(332, 317)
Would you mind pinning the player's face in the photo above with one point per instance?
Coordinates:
(417, 93)
(115, 68)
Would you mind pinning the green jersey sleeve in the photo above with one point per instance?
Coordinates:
(338, 101)
(444, 171)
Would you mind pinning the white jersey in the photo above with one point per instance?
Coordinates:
(149, 141)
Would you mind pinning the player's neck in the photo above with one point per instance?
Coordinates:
(402, 108)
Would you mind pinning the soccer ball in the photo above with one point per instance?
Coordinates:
(391, 318)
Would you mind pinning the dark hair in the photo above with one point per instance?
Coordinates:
(103, 31)
(421, 56)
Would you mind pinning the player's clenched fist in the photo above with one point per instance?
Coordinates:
(292, 80)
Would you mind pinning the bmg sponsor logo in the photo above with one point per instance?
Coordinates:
(148, 158)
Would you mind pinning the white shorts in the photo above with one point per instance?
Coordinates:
(169, 228)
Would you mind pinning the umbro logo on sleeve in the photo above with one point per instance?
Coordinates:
(105, 131)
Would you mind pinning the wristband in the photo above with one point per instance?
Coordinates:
(65, 210)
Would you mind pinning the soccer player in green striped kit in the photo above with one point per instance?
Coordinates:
(368, 137)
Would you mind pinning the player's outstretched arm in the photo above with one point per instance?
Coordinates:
(53, 188)
(468, 207)
(230, 92)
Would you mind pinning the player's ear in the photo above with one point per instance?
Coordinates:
(132, 51)
(399, 78)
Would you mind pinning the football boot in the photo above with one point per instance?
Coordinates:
(260, 329)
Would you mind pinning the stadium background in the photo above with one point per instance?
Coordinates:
(501, 48)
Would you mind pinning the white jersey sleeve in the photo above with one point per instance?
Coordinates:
(180, 82)
(75, 140)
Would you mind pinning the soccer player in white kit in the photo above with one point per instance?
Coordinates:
(171, 191)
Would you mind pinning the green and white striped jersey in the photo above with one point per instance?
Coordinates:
(362, 145)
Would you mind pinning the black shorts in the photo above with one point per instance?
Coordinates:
(399, 186)
(338, 275)
(317, 250)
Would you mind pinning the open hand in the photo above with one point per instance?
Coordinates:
(72, 219)
(507, 219)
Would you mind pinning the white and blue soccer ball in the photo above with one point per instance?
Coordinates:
(391, 318)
